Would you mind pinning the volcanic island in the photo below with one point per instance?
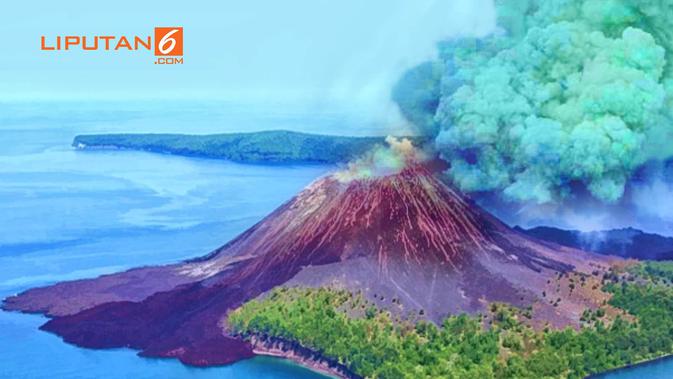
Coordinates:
(387, 254)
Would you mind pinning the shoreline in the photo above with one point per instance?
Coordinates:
(108, 148)
(299, 362)
(270, 146)
(631, 366)
(268, 346)
(292, 351)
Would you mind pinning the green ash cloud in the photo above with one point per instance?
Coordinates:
(568, 92)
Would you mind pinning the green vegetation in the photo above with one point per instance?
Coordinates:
(373, 343)
(655, 271)
(269, 146)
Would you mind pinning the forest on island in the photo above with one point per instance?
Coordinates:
(374, 343)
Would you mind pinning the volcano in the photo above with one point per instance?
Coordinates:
(407, 241)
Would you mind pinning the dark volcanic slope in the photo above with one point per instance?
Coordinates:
(627, 243)
(406, 236)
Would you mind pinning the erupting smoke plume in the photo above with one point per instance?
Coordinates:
(383, 160)
(568, 92)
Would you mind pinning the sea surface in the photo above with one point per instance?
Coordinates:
(659, 369)
(67, 214)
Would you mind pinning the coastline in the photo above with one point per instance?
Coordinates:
(292, 351)
(271, 146)
(191, 155)
(264, 345)
(635, 365)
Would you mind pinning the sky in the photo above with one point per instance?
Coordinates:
(346, 51)
(349, 50)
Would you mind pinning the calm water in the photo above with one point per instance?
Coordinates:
(662, 369)
(66, 214)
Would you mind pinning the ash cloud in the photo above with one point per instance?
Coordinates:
(565, 103)
(645, 205)
(652, 197)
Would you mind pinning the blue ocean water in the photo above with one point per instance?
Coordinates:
(661, 369)
(67, 214)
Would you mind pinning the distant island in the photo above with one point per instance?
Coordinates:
(258, 147)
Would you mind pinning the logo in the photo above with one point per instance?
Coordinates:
(168, 41)
(167, 44)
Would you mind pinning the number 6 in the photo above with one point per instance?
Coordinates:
(167, 39)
